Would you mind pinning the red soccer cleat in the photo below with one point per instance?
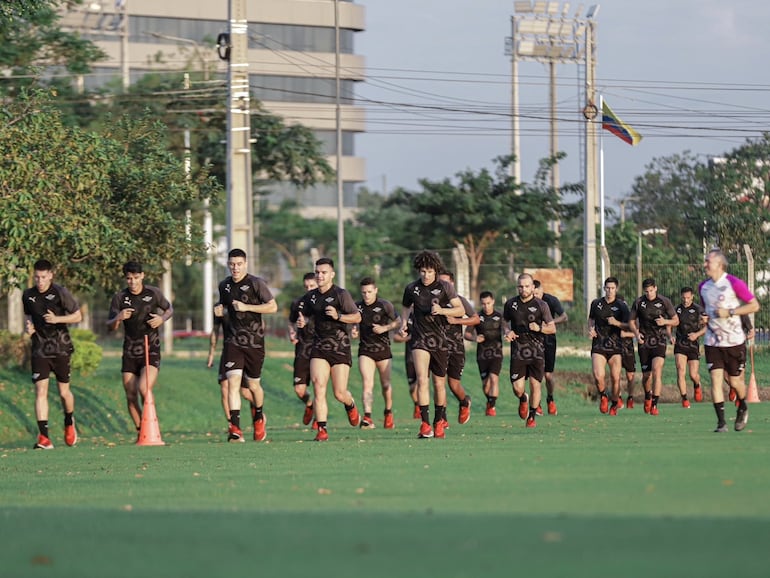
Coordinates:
(354, 418)
(43, 443)
(425, 431)
(416, 414)
(647, 405)
(388, 424)
(630, 402)
(322, 435)
(438, 429)
(464, 415)
(307, 417)
(367, 423)
(539, 410)
(259, 429)
(234, 434)
(524, 407)
(614, 409)
(70, 434)
(654, 410)
(698, 394)
(604, 404)
(531, 422)
(686, 403)
(490, 411)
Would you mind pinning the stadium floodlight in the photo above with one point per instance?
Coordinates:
(592, 12)
(539, 7)
(522, 6)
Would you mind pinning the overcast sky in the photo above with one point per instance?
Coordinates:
(688, 75)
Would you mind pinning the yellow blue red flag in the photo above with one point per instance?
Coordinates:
(612, 123)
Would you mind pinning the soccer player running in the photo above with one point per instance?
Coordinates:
(302, 339)
(142, 309)
(49, 309)
(378, 319)
(332, 309)
(559, 316)
(456, 344)
(488, 335)
(431, 301)
(607, 318)
(244, 298)
(652, 316)
(725, 299)
(529, 320)
(686, 345)
(411, 376)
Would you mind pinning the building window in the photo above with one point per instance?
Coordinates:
(299, 89)
(328, 139)
(317, 196)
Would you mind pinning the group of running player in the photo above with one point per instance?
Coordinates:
(433, 324)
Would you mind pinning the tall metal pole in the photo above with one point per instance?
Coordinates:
(589, 234)
(515, 128)
(341, 271)
(240, 211)
(124, 65)
(555, 252)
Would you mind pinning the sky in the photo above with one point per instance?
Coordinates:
(688, 75)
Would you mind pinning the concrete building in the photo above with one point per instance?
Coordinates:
(291, 66)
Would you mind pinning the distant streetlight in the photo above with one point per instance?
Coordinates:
(644, 233)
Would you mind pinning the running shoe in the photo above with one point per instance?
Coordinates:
(366, 423)
(490, 411)
(388, 421)
(686, 403)
(524, 407)
(425, 431)
(620, 402)
(234, 434)
(604, 403)
(315, 425)
(444, 423)
(43, 443)
(416, 413)
(629, 402)
(353, 417)
(70, 434)
(698, 393)
(552, 408)
(259, 429)
(438, 428)
(465, 411)
(741, 418)
(654, 410)
(308, 415)
(322, 435)
(539, 410)
(614, 409)
(721, 428)
(531, 422)
(647, 405)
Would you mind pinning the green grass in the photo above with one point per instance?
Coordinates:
(582, 495)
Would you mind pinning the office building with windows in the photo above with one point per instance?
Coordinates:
(292, 72)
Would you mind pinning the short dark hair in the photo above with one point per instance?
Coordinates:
(612, 280)
(649, 282)
(428, 260)
(367, 281)
(236, 253)
(43, 265)
(308, 276)
(686, 290)
(485, 294)
(325, 261)
(132, 267)
(536, 283)
(449, 274)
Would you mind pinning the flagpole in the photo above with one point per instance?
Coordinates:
(601, 192)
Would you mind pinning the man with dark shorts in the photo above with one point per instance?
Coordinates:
(725, 299)
(49, 309)
(431, 301)
(651, 317)
(488, 335)
(529, 320)
(302, 338)
(411, 377)
(607, 318)
(378, 319)
(331, 309)
(244, 298)
(686, 345)
(456, 344)
(142, 309)
(559, 316)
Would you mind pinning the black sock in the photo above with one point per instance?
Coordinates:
(321, 425)
(368, 414)
(258, 413)
(492, 400)
(684, 396)
(424, 414)
(387, 411)
(647, 395)
(532, 412)
(548, 398)
(68, 418)
(235, 417)
(523, 398)
(42, 427)
(720, 409)
(305, 398)
(465, 402)
(350, 407)
(655, 399)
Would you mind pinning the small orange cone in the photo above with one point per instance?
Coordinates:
(149, 430)
(753, 394)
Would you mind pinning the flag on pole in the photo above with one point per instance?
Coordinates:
(612, 123)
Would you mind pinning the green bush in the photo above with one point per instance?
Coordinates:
(14, 350)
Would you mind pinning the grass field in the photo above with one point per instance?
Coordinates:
(581, 495)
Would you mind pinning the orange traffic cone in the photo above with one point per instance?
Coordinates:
(753, 394)
(149, 430)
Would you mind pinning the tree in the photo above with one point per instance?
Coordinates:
(482, 210)
(90, 202)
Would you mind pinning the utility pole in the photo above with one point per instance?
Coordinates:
(341, 269)
(590, 112)
(234, 47)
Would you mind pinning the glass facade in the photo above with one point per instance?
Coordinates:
(267, 87)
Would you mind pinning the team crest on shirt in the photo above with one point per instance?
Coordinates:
(244, 288)
(377, 309)
(50, 297)
(329, 299)
(532, 309)
(147, 298)
(436, 292)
